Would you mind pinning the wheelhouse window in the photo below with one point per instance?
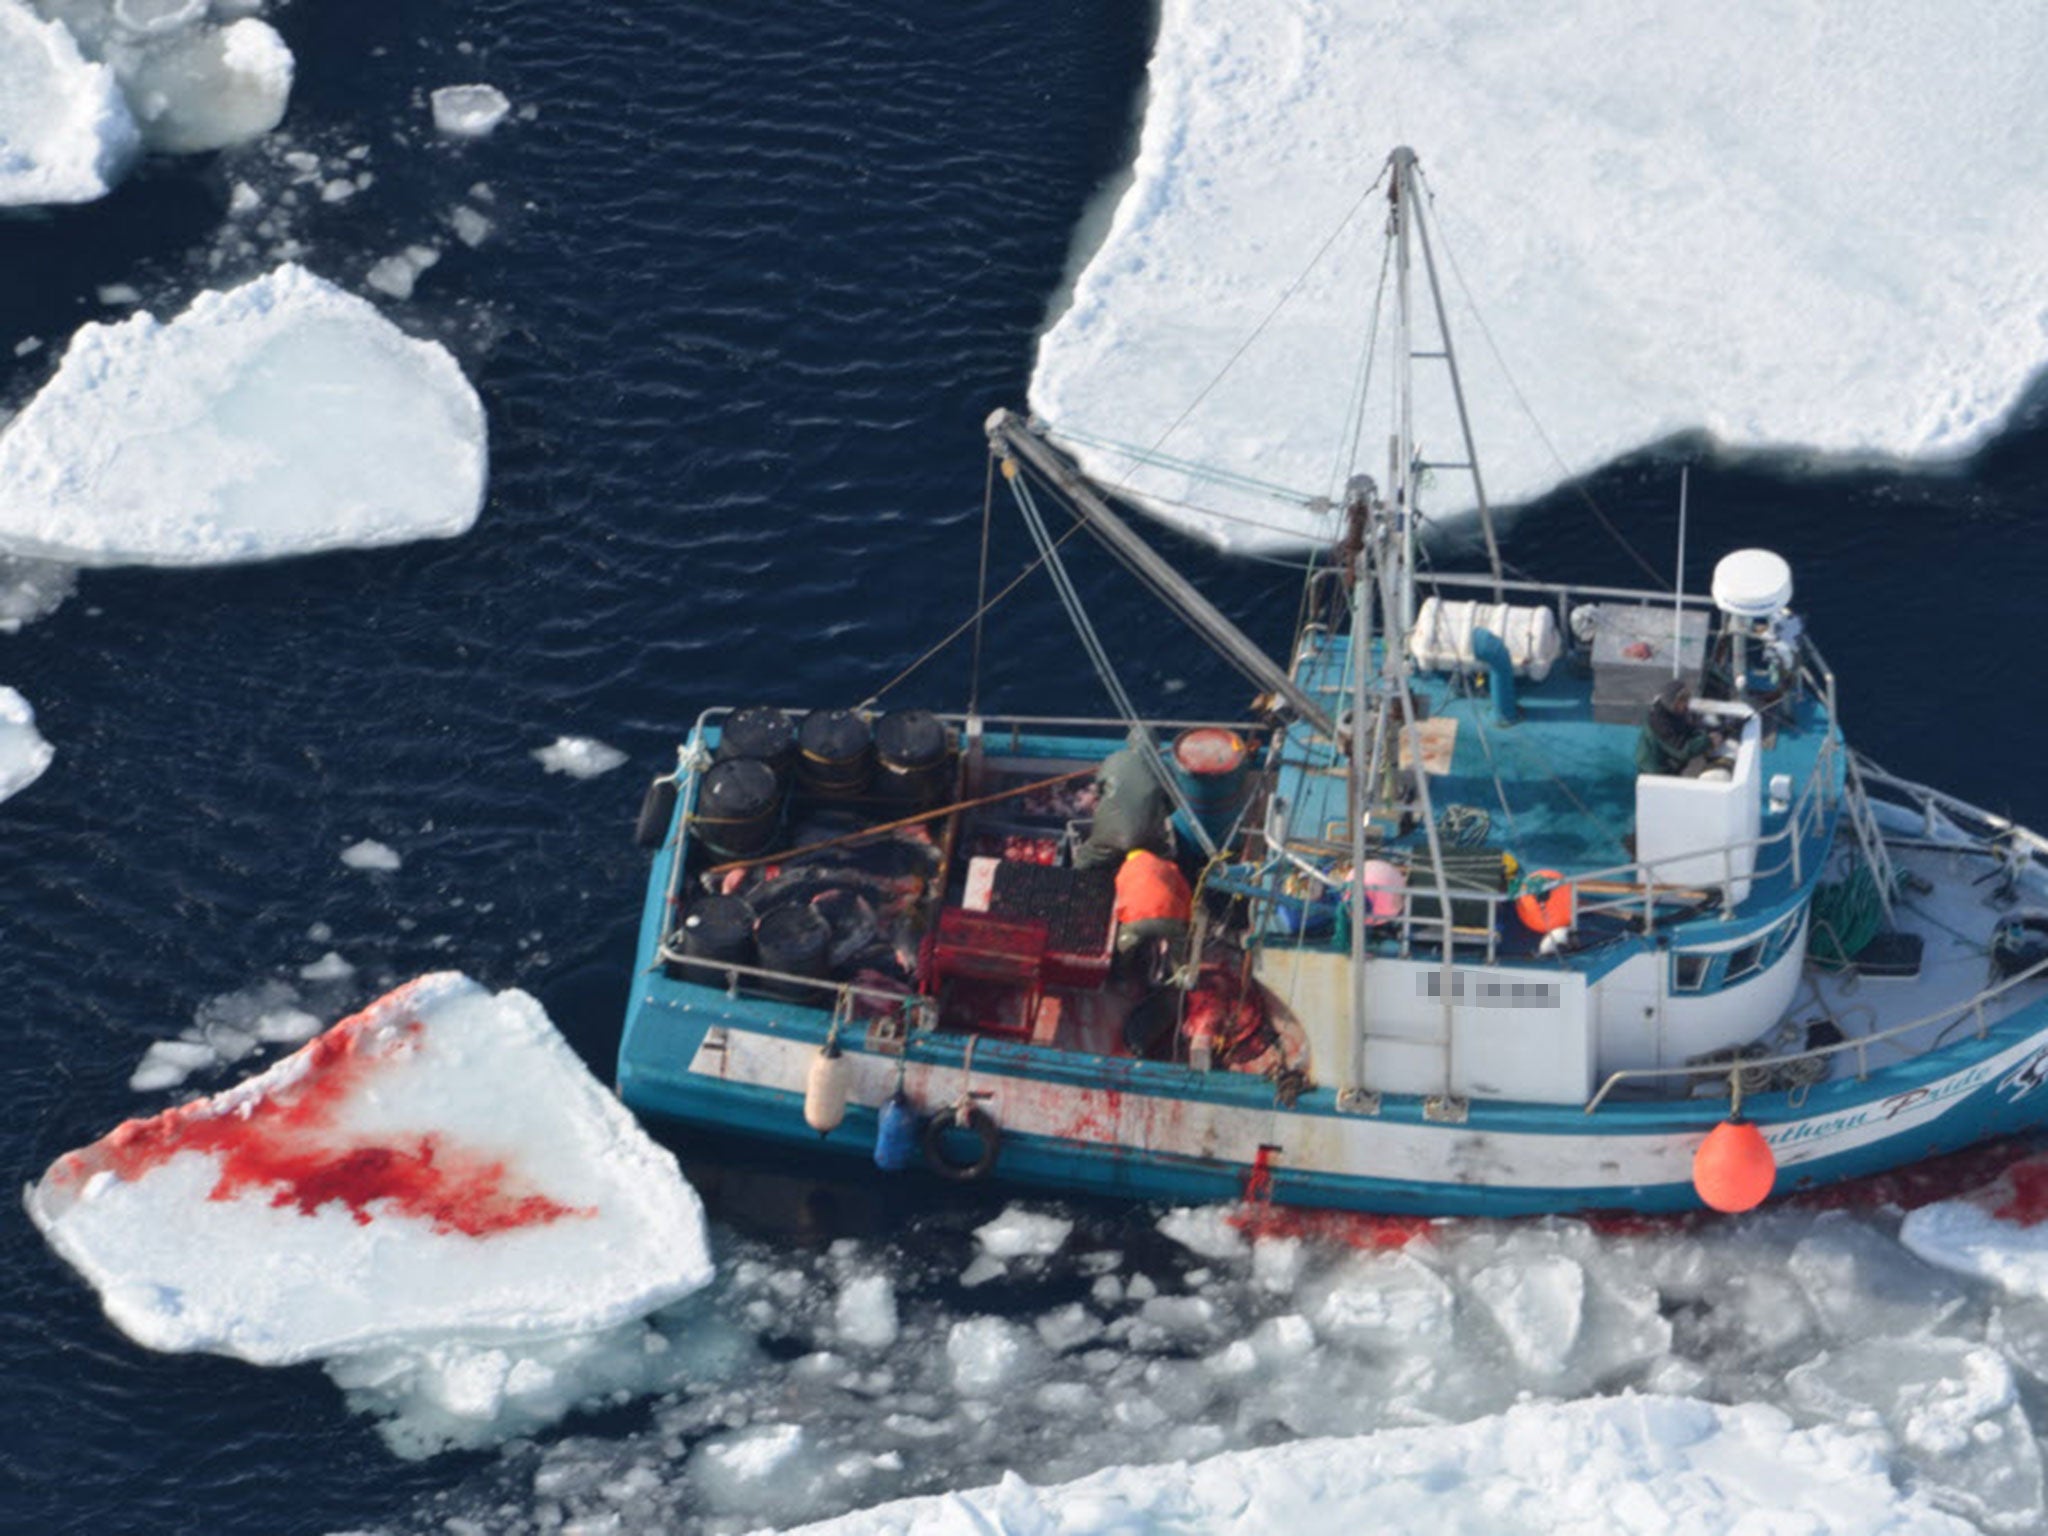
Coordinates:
(1745, 961)
(1689, 972)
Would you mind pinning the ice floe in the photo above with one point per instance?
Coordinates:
(434, 1196)
(1621, 1464)
(278, 418)
(396, 275)
(469, 111)
(23, 752)
(580, 757)
(66, 134)
(1816, 226)
(368, 853)
(196, 76)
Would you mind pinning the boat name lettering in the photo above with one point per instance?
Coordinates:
(2026, 1077)
(1916, 1098)
(1808, 1130)
(1488, 991)
(1889, 1109)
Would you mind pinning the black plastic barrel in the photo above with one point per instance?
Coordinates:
(913, 759)
(761, 731)
(738, 804)
(718, 928)
(797, 940)
(836, 754)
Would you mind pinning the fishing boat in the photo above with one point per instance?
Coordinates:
(1502, 897)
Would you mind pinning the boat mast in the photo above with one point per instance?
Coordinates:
(1391, 557)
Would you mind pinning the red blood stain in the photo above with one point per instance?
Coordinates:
(1353, 1229)
(1948, 1177)
(2025, 1193)
(283, 1137)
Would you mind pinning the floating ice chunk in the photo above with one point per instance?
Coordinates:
(865, 1316)
(470, 227)
(1068, 1327)
(225, 1029)
(2018, 1329)
(580, 757)
(190, 84)
(1385, 1301)
(469, 111)
(988, 1354)
(23, 752)
(439, 1169)
(459, 1394)
(1538, 1304)
(1862, 1285)
(329, 967)
(766, 1469)
(1178, 1319)
(1995, 1233)
(31, 590)
(1021, 1234)
(287, 1026)
(1952, 1406)
(66, 134)
(277, 418)
(396, 275)
(212, 88)
(371, 854)
(1599, 202)
(1630, 1463)
(981, 1269)
(1277, 1263)
(167, 1063)
(1206, 1230)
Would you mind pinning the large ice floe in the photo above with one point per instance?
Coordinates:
(278, 418)
(1816, 226)
(434, 1197)
(197, 75)
(66, 134)
(1649, 1464)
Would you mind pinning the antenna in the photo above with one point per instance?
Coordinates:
(1678, 597)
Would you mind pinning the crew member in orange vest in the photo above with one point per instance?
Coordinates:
(1152, 900)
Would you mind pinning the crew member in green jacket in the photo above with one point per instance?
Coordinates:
(1672, 741)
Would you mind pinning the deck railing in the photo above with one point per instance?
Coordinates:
(1948, 1018)
(1804, 823)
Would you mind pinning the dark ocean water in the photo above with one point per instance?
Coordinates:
(757, 277)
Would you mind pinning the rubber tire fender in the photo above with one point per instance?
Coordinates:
(969, 1117)
(657, 810)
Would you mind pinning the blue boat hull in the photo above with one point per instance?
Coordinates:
(1160, 1132)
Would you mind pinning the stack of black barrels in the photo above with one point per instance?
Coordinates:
(899, 766)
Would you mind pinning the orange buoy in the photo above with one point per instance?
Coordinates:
(1733, 1170)
(1546, 902)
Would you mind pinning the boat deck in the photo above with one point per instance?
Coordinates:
(1557, 789)
(1953, 904)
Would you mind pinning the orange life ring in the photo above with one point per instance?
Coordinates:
(1552, 910)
